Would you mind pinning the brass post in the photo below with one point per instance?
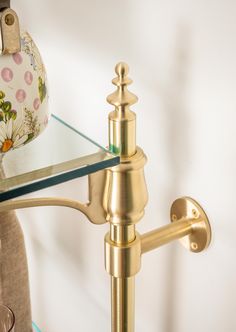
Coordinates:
(119, 195)
(124, 202)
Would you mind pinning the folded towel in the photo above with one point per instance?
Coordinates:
(14, 281)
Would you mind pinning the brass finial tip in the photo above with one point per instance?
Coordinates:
(122, 69)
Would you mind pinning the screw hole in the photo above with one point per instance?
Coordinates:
(173, 217)
(9, 19)
(195, 213)
(194, 246)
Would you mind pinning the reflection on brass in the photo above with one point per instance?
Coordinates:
(123, 304)
(126, 193)
(165, 234)
(122, 121)
(118, 195)
(125, 198)
(117, 254)
(189, 224)
(10, 32)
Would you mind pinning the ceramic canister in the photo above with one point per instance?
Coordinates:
(23, 96)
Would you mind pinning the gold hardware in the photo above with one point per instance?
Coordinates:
(123, 304)
(122, 121)
(165, 234)
(125, 198)
(10, 32)
(189, 223)
(200, 236)
(123, 203)
(122, 261)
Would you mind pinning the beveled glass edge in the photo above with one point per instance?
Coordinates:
(52, 170)
(58, 179)
(61, 172)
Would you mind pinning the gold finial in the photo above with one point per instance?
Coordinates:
(122, 121)
(122, 69)
(122, 98)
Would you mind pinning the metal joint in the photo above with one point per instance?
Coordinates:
(123, 261)
(126, 193)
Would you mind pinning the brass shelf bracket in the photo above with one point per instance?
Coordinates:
(189, 224)
(93, 209)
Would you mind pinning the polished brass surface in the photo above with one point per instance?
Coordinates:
(123, 260)
(188, 209)
(165, 234)
(122, 234)
(123, 304)
(10, 32)
(123, 203)
(122, 121)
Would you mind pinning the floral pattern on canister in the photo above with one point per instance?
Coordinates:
(23, 96)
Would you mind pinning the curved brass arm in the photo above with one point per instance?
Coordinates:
(93, 210)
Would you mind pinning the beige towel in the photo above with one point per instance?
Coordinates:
(14, 282)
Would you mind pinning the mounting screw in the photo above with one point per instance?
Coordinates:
(174, 217)
(188, 209)
(195, 213)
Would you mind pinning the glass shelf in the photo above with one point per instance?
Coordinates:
(61, 153)
(35, 328)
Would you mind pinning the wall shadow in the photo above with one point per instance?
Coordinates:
(178, 120)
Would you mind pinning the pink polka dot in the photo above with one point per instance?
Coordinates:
(7, 74)
(28, 77)
(46, 120)
(20, 95)
(17, 58)
(36, 103)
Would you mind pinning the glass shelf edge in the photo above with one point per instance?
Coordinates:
(35, 327)
(58, 179)
(81, 134)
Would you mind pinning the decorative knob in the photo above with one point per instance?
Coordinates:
(122, 121)
(122, 98)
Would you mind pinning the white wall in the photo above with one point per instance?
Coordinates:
(182, 56)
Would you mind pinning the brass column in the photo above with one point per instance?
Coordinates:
(124, 202)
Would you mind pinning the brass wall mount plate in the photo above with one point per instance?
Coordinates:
(200, 237)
